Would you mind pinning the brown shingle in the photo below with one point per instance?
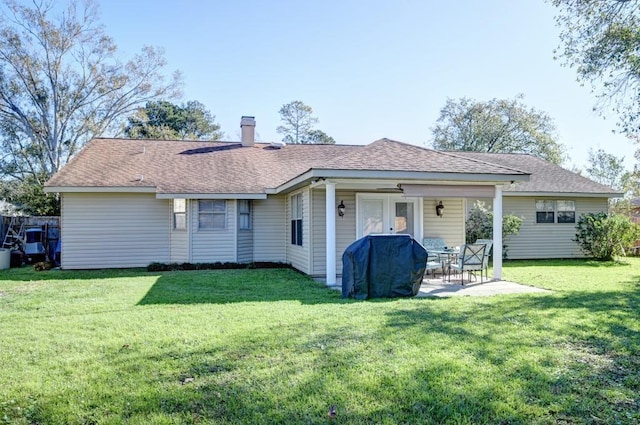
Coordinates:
(226, 167)
(545, 176)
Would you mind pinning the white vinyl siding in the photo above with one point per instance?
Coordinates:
(109, 230)
(213, 245)
(270, 236)
(345, 229)
(451, 226)
(546, 240)
(299, 256)
(180, 238)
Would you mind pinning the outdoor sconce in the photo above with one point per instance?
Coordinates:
(341, 209)
(439, 209)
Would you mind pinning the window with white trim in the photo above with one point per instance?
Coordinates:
(296, 219)
(244, 214)
(179, 214)
(555, 211)
(212, 214)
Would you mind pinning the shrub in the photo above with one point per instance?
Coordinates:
(604, 236)
(42, 266)
(164, 267)
(479, 225)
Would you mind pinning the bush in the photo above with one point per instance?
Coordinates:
(164, 267)
(603, 237)
(480, 225)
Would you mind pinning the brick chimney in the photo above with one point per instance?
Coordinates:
(248, 129)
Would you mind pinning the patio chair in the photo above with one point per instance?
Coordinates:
(433, 263)
(433, 244)
(470, 260)
(487, 253)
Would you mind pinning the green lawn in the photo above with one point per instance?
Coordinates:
(272, 346)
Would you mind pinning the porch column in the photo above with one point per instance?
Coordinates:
(497, 233)
(330, 213)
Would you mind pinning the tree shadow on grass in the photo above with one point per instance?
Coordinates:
(256, 381)
(361, 369)
(27, 273)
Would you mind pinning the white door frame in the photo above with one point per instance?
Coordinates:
(388, 199)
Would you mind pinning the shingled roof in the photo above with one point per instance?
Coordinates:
(229, 167)
(545, 176)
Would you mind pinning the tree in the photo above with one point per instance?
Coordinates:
(499, 125)
(298, 125)
(601, 40)
(61, 83)
(606, 168)
(319, 137)
(166, 120)
(29, 197)
(479, 225)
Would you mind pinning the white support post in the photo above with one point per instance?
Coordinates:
(497, 233)
(330, 213)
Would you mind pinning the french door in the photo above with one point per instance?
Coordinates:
(388, 213)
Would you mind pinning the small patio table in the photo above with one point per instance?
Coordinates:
(446, 256)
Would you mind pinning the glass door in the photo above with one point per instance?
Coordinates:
(390, 214)
(403, 217)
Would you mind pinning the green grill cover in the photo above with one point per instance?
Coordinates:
(383, 266)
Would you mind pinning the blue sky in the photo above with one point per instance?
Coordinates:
(369, 69)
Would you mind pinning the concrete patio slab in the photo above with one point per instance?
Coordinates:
(440, 288)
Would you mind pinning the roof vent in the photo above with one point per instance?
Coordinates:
(278, 145)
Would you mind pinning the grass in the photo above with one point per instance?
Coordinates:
(272, 346)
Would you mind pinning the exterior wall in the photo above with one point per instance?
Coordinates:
(179, 239)
(208, 246)
(545, 240)
(114, 230)
(270, 237)
(245, 240)
(345, 229)
(450, 226)
(300, 256)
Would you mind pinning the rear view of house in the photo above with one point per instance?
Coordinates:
(127, 203)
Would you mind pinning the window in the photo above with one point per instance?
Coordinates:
(296, 219)
(566, 211)
(179, 214)
(547, 211)
(244, 214)
(212, 214)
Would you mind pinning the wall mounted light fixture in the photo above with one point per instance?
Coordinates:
(341, 209)
(439, 209)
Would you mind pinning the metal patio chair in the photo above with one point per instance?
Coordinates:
(471, 259)
(487, 253)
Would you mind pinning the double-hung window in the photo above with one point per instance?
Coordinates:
(296, 219)
(555, 211)
(566, 211)
(244, 214)
(212, 214)
(179, 214)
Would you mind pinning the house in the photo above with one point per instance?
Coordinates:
(550, 203)
(127, 203)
